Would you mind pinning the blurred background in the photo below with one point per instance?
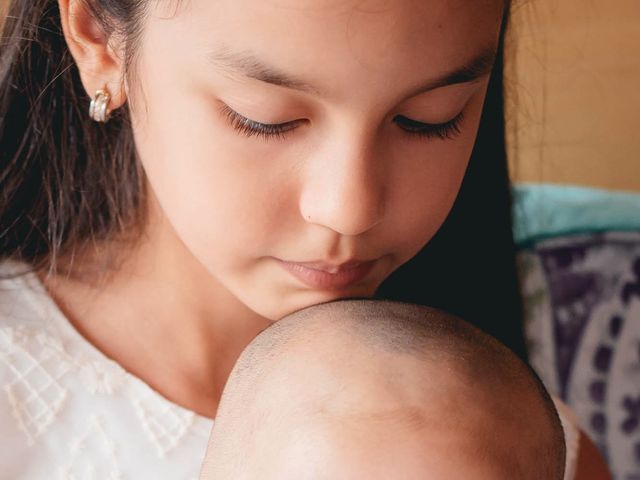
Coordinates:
(572, 99)
(572, 92)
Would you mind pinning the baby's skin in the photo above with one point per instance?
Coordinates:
(364, 389)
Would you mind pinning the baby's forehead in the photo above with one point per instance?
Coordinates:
(382, 372)
(346, 334)
(370, 330)
(363, 351)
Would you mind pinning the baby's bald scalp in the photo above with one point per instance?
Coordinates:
(319, 341)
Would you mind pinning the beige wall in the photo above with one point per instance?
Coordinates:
(573, 92)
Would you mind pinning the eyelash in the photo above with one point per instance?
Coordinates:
(249, 128)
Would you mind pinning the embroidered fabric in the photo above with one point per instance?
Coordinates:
(582, 298)
(68, 412)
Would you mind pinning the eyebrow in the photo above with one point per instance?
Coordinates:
(248, 65)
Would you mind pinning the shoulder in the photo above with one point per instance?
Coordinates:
(28, 345)
(66, 410)
(29, 394)
(584, 462)
(21, 295)
(590, 464)
(20, 310)
(571, 437)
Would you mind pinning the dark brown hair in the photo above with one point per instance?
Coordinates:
(468, 268)
(67, 182)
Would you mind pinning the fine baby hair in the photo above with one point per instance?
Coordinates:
(360, 362)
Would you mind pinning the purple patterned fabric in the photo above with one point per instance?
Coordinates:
(582, 304)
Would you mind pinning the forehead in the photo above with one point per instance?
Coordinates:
(373, 43)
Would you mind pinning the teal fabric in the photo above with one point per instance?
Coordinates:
(547, 210)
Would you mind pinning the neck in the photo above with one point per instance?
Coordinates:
(162, 317)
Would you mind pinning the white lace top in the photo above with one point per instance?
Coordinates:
(68, 412)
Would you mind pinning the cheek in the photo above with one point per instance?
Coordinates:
(215, 197)
(427, 182)
(422, 206)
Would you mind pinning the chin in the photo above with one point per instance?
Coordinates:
(309, 298)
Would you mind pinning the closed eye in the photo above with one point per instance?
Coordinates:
(442, 131)
(279, 131)
(250, 128)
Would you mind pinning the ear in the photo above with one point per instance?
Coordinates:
(96, 54)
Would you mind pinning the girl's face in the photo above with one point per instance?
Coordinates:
(372, 109)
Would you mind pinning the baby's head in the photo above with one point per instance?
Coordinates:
(358, 389)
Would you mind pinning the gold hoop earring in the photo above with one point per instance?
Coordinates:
(99, 108)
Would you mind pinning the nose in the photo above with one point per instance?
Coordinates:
(345, 192)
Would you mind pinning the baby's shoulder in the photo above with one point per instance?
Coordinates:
(571, 436)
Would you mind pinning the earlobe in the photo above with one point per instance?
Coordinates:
(98, 62)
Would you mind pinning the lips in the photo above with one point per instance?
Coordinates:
(324, 275)
(330, 268)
